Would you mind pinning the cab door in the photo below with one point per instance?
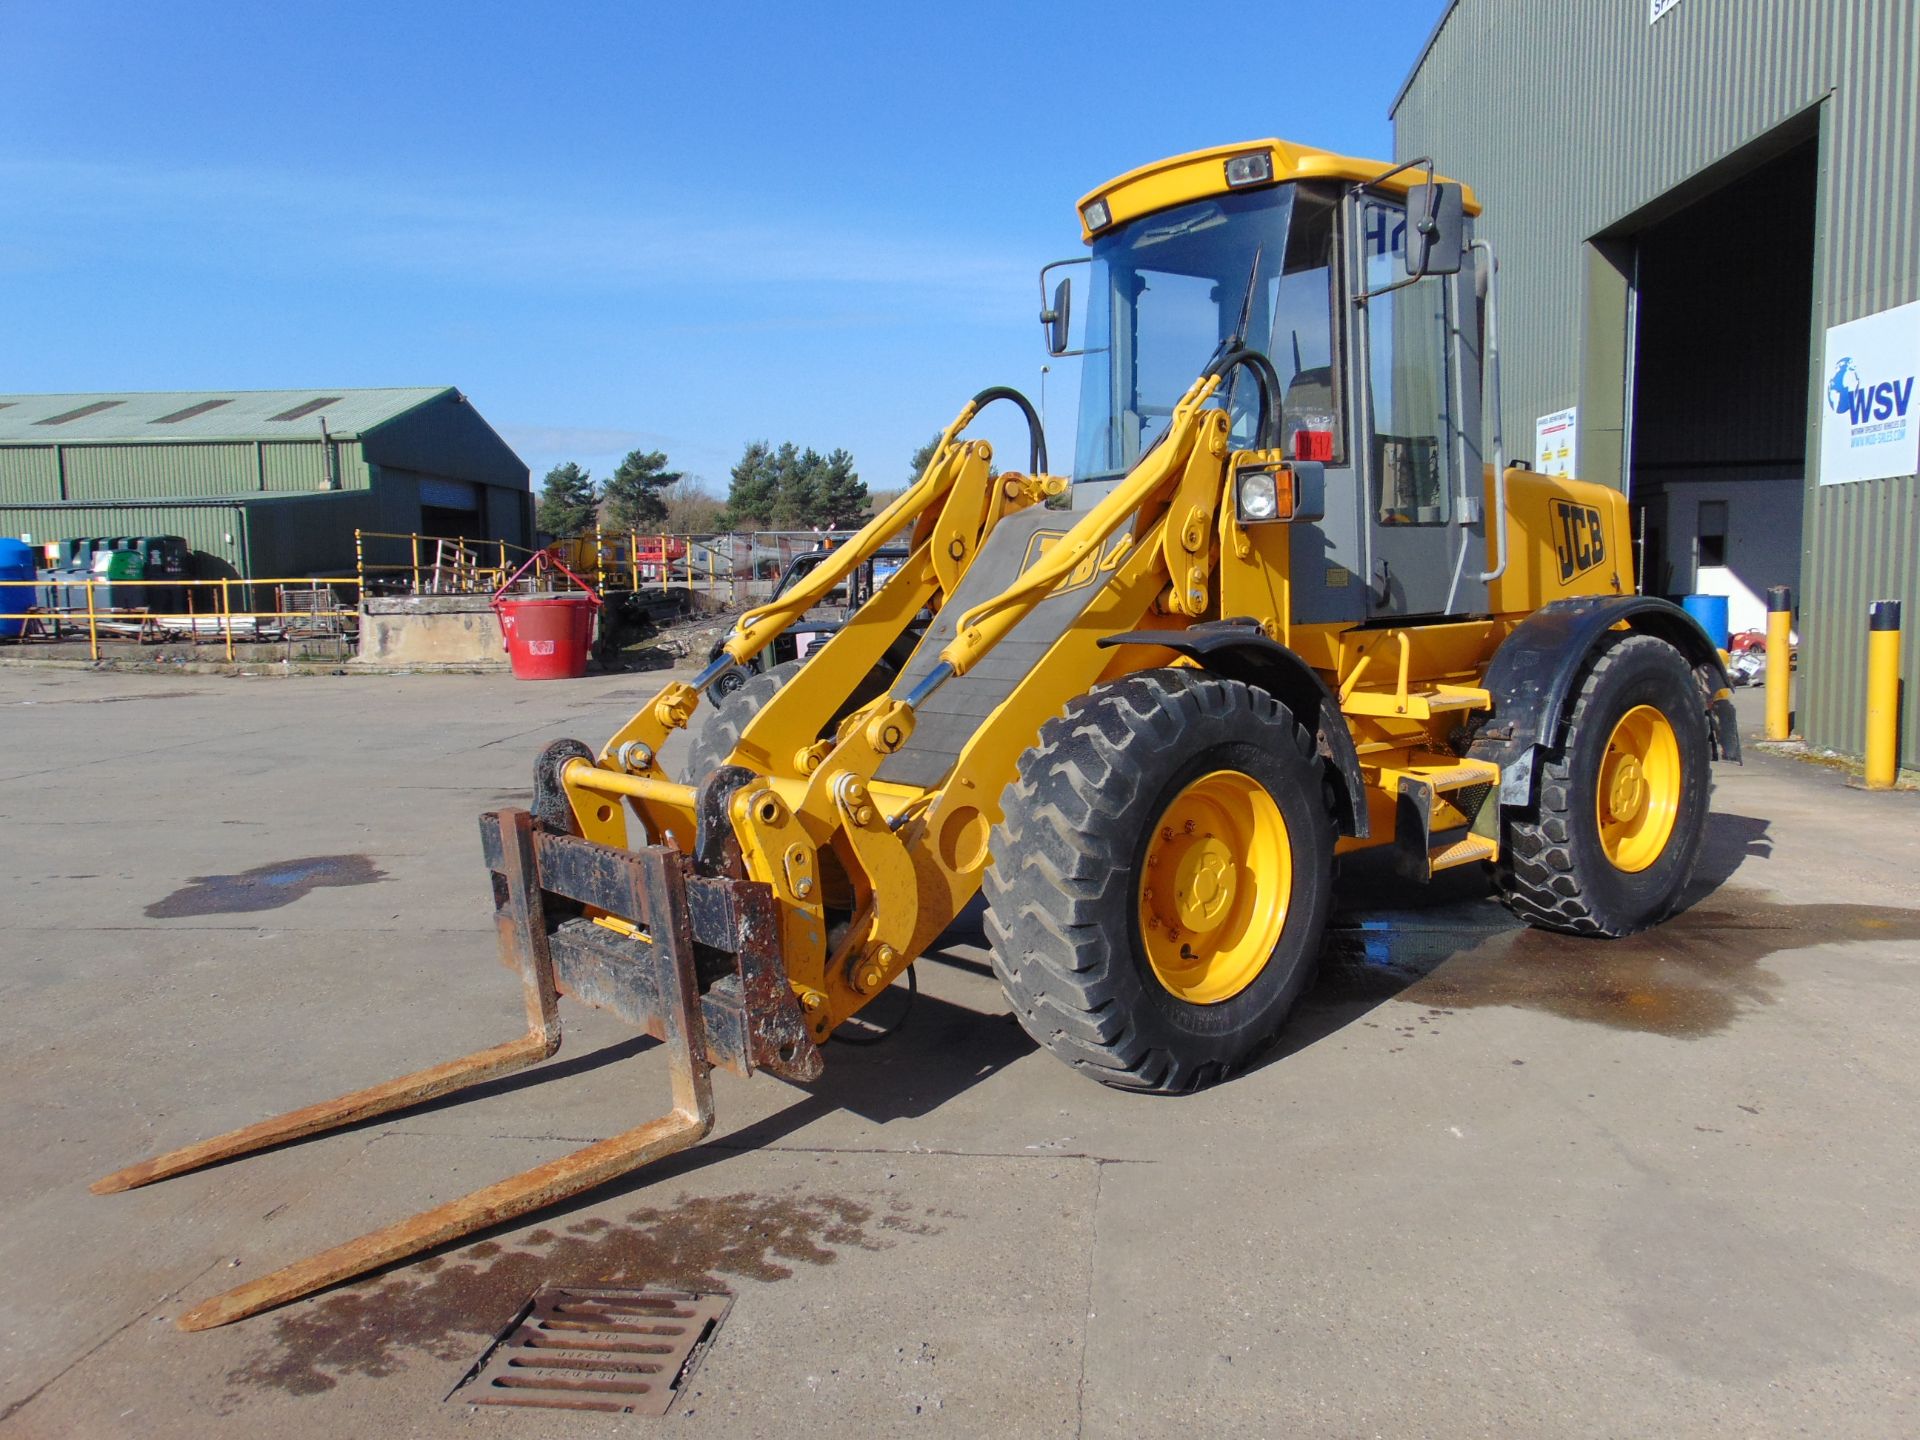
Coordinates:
(1416, 390)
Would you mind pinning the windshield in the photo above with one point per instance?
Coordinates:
(1167, 288)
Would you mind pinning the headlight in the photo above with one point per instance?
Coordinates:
(1259, 499)
(1096, 217)
(1255, 169)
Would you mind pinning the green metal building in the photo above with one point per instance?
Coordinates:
(261, 483)
(1707, 215)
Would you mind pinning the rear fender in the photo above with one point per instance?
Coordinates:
(1536, 670)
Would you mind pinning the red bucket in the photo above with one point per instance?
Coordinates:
(548, 634)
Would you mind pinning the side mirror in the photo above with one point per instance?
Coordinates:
(1055, 317)
(1436, 229)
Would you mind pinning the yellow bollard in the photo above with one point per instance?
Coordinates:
(93, 633)
(1779, 662)
(1883, 694)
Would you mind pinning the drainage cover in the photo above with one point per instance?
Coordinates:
(575, 1349)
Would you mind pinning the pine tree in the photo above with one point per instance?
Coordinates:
(633, 498)
(795, 504)
(840, 496)
(567, 501)
(752, 487)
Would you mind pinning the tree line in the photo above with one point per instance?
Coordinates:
(777, 487)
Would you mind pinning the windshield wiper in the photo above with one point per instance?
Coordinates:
(1179, 228)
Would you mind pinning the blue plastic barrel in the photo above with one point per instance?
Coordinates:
(1711, 612)
(17, 562)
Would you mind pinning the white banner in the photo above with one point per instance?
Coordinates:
(1869, 413)
(1660, 7)
(1553, 442)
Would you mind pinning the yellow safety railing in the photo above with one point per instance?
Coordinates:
(739, 566)
(433, 564)
(217, 620)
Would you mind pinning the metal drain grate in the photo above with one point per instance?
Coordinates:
(625, 1351)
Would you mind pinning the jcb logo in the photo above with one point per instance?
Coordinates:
(1578, 538)
(1083, 573)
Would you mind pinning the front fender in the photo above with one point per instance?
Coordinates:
(1240, 651)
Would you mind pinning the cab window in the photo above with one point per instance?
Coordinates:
(1409, 379)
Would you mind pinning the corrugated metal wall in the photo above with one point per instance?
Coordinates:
(215, 533)
(298, 535)
(447, 437)
(1568, 119)
(184, 470)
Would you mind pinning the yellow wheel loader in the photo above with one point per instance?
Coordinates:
(1282, 608)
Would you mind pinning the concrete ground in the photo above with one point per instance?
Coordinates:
(1493, 1182)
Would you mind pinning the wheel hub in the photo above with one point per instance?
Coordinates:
(1204, 883)
(1637, 790)
(1627, 795)
(1215, 886)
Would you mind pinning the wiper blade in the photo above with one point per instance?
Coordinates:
(1176, 230)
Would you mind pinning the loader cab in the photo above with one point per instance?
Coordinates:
(1379, 371)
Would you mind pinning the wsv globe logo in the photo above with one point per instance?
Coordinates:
(1877, 411)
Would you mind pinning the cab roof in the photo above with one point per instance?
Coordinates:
(1201, 173)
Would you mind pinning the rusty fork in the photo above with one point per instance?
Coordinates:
(656, 885)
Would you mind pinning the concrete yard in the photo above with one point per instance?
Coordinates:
(1493, 1182)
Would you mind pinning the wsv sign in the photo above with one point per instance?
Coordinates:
(1863, 402)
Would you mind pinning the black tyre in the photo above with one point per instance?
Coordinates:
(1161, 881)
(1614, 834)
(715, 740)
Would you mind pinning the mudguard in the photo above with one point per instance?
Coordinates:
(1535, 671)
(1240, 650)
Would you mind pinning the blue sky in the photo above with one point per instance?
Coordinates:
(611, 225)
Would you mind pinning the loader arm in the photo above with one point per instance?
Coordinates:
(635, 746)
(913, 845)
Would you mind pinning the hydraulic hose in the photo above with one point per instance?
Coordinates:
(1266, 381)
(1036, 434)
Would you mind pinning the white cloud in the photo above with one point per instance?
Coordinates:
(580, 440)
(288, 218)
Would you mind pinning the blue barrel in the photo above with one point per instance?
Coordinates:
(1711, 612)
(17, 562)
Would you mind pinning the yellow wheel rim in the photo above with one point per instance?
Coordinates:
(1214, 887)
(1638, 792)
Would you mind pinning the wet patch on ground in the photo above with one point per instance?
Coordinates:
(265, 887)
(445, 1304)
(1689, 977)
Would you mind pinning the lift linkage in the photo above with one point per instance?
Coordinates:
(697, 967)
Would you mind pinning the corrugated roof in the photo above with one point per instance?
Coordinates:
(156, 416)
